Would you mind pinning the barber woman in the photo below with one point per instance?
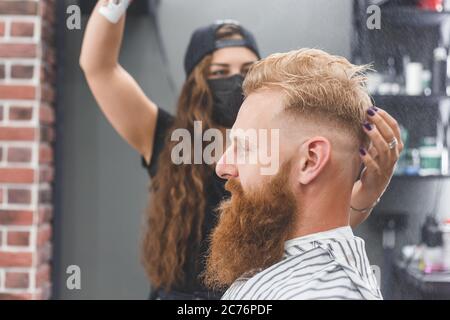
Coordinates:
(183, 197)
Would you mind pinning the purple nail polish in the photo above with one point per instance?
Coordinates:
(370, 112)
(368, 126)
(374, 108)
(362, 151)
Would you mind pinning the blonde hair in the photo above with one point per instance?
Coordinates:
(318, 85)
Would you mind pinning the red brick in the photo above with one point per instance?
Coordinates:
(18, 238)
(48, 12)
(44, 234)
(16, 218)
(45, 154)
(48, 33)
(16, 296)
(18, 50)
(13, 175)
(16, 134)
(45, 196)
(42, 275)
(19, 154)
(48, 74)
(47, 93)
(22, 29)
(2, 29)
(15, 259)
(45, 214)
(47, 134)
(20, 113)
(46, 114)
(17, 280)
(22, 71)
(18, 7)
(46, 174)
(44, 254)
(19, 196)
(17, 92)
(49, 56)
(1, 196)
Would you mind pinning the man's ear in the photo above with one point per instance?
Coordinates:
(315, 154)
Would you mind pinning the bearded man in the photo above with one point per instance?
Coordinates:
(287, 236)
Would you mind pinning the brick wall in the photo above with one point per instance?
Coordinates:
(27, 77)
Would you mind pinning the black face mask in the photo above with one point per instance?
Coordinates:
(227, 99)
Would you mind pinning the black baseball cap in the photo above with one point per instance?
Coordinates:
(204, 41)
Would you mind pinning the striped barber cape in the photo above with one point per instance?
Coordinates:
(321, 266)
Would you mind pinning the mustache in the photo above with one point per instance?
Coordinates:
(234, 186)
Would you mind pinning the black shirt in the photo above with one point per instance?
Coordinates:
(214, 193)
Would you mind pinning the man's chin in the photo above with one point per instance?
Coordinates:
(251, 231)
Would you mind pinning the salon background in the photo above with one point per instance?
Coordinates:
(99, 193)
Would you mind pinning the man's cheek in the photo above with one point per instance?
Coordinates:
(250, 177)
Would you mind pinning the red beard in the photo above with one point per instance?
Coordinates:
(251, 231)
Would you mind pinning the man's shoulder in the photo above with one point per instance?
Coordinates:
(332, 282)
(292, 270)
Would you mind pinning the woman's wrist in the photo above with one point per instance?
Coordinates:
(366, 209)
(363, 200)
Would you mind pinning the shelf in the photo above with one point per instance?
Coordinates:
(414, 17)
(429, 286)
(432, 100)
(431, 177)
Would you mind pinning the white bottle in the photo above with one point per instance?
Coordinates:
(446, 243)
(114, 10)
(414, 79)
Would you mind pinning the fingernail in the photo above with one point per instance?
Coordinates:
(367, 125)
(362, 151)
(370, 112)
(374, 108)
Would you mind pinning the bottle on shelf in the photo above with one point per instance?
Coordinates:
(386, 83)
(414, 72)
(433, 246)
(432, 5)
(439, 74)
(443, 134)
(446, 5)
(445, 227)
(430, 157)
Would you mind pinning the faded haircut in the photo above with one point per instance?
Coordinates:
(317, 85)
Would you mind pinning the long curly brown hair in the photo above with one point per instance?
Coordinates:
(177, 203)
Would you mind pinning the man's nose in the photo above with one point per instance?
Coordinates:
(226, 167)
